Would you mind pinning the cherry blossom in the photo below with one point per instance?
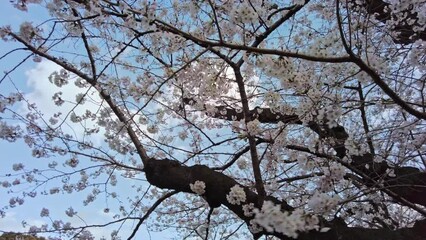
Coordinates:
(199, 187)
(216, 119)
(236, 195)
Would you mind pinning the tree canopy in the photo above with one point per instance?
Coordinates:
(223, 119)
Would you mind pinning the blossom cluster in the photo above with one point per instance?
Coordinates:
(242, 163)
(271, 218)
(15, 200)
(70, 212)
(17, 166)
(305, 163)
(335, 171)
(9, 100)
(236, 195)
(352, 148)
(198, 187)
(59, 78)
(322, 203)
(72, 162)
(329, 115)
(27, 31)
(44, 212)
(254, 128)
(280, 68)
(9, 133)
(273, 100)
(244, 13)
(248, 209)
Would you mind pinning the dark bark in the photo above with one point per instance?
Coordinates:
(383, 13)
(408, 183)
(172, 175)
(264, 115)
(168, 174)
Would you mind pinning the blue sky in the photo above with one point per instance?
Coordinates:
(31, 79)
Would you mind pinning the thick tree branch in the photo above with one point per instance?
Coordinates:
(168, 174)
(58, 61)
(264, 115)
(206, 43)
(375, 76)
(252, 141)
(383, 13)
(408, 183)
(173, 175)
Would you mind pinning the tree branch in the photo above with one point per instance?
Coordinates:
(409, 183)
(150, 210)
(168, 174)
(383, 13)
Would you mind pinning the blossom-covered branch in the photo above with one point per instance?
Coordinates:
(406, 182)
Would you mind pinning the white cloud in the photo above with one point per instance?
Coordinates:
(11, 223)
(41, 94)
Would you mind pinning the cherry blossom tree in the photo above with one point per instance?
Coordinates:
(241, 118)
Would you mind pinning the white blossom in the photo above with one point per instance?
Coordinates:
(236, 195)
(183, 135)
(198, 187)
(248, 209)
(322, 202)
(4, 32)
(54, 190)
(72, 162)
(17, 166)
(27, 31)
(390, 172)
(74, 118)
(5, 184)
(152, 129)
(16, 182)
(59, 78)
(335, 170)
(53, 164)
(44, 212)
(253, 127)
(70, 212)
(254, 227)
(242, 163)
(244, 13)
(272, 218)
